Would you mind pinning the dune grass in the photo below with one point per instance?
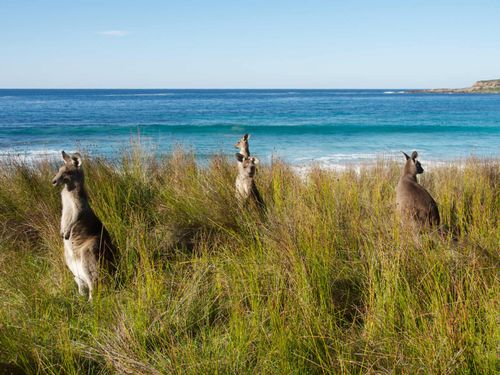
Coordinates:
(327, 282)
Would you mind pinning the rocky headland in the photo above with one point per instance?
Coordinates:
(491, 86)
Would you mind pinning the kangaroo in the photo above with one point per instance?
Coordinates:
(411, 198)
(242, 144)
(245, 184)
(87, 244)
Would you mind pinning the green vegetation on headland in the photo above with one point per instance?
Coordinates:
(491, 86)
(328, 281)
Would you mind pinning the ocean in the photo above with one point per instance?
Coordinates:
(328, 127)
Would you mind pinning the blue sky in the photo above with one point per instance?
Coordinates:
(248, 44)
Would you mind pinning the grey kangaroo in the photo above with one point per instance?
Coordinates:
(242, 144)
(246, 190)
(412, 200)
(88, 249)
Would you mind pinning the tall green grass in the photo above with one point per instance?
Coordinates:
(328, 281)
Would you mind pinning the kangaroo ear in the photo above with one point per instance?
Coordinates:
(76, 158)
(246, 137)
(66, 157)
(414, 155)
(406, 155)
(239, 157)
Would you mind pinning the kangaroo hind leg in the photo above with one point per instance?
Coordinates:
(82, 285)
(90, 270)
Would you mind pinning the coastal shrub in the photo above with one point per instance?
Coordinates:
(327, 281)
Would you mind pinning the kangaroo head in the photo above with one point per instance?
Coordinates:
(247, 164)
(242, 144)
(71, 172)
(412, 166)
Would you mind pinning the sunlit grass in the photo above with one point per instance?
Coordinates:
(328, 281)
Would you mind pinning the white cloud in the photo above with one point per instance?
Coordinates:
(113, 33)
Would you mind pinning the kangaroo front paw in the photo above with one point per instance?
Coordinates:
(66, 234)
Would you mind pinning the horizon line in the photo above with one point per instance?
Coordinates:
(213, 88)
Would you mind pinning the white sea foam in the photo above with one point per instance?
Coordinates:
(29, 156)
(358, 161)
(305, 169)
(144, 94)
(338, 158)
(338, 162)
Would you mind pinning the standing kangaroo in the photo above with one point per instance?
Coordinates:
(411, 198)
(87, 245)
(245, 185)
(242, 144)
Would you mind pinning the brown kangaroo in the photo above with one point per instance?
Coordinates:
(87, 245)
(412, 200)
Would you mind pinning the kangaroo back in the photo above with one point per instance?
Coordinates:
(412, 199)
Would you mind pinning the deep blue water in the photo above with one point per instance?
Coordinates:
(301, 126)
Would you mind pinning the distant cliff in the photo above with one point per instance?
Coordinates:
(491, 86)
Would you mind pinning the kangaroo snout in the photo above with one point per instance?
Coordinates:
(420, 170)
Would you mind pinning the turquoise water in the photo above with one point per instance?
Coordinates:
(332, 127)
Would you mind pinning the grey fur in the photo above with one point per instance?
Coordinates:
(87, 245)
(412, 200)
(243, 145)
(246, 190)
